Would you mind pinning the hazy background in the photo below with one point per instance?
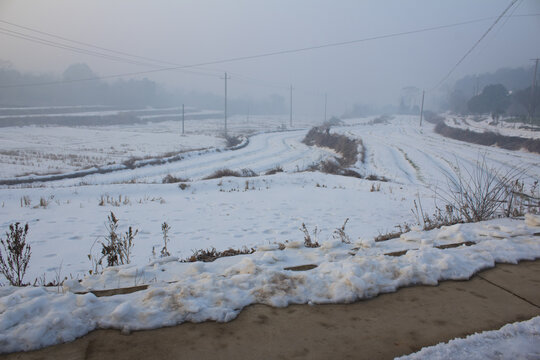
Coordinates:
(190, 32)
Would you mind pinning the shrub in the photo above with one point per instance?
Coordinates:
(446, 217)
(248, 173)
(308, 242)
(165, 230)
(170, 179)
(375, 188)
(346, 147)
(489, 138)
(43, 202)
(276, 169)
(478, 194)
(25, 201)
(233, 141)
(228, 172)
(222, 173)
(115, 248)
(106, 199)
(16, 255)
(209, 255)
(340, 233)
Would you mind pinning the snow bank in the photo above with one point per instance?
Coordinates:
(520, 340)
(178, 292)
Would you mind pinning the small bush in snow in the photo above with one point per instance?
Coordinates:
(109, 200)
(522, 200)
(479, 194)
(115, 248)
(308, 241)
(170, 179)
(165, 230)
(233, 141)
(16, 255)
(25, 201)
(209, 255)
(228, 172)
(446, 217)
(340, 233)
(276, 169)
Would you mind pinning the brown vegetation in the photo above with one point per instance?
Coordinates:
(489, 138)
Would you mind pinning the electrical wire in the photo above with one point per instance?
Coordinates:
(475, 44)
(229, 60)
(257, 56)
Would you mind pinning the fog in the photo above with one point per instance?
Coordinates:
(192, 32)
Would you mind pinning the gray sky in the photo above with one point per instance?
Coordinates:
(194, 31)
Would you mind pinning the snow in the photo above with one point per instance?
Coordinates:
(256, 212)
(180, 292)
(40, 149)
(520, 340)
(483, 123)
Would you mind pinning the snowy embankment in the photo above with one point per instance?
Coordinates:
(483, 124)
(178, 292)
(520, 340)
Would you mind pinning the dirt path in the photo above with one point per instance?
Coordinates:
(381, 328)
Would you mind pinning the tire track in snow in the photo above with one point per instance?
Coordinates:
(263, 152)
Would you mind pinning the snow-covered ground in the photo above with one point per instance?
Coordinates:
(59, 149)
(520, 340)
(179, 292)
(256, 212)
(484, 123)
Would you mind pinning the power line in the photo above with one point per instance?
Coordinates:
(54, 44)
(183, 67)
(85, 51)
(115, 58)
(87, 44)
(262, 55)
(95, 46)
(476, 44)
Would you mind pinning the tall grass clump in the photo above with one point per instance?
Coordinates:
(480, 193)
(115, 248)
(16, 255)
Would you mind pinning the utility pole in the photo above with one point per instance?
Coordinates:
(290, 109)
(325, 101)
(422, 107)
(247, 118)
(533, 90)
(183, 119)
(226, 77)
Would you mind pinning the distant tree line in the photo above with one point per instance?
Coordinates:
(95, 92)
(505, 92)
(120, 93)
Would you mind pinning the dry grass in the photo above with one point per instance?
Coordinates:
(170, 179)
(346, 147)
(276, 169)
(489, 138)
(308, 241)
(209, 255)
(228, 172)
(340, 233)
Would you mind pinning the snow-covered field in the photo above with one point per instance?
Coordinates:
(42, 149)
(483, 123)
(257, 212)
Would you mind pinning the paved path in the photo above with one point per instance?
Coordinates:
(381, 328)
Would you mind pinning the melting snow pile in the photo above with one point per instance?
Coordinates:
(178, 292)
(520, 340)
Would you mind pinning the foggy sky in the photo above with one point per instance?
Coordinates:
(195, 31)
